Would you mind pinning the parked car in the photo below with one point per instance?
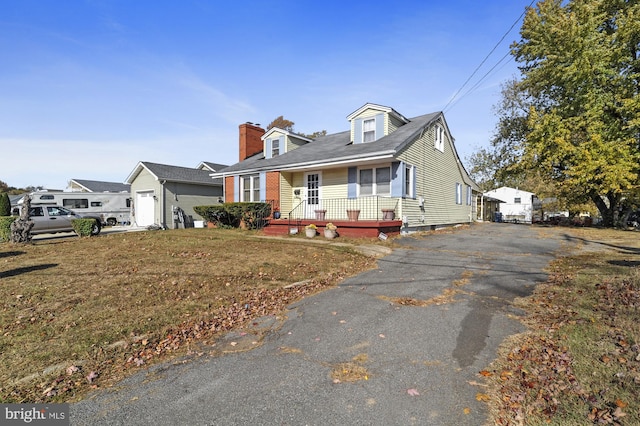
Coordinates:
(50, 219)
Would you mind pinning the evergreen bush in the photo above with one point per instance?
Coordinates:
(83, 227)
(5, 205)
(230, 215)
(5, 227)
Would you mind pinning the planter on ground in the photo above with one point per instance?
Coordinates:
(330, 233)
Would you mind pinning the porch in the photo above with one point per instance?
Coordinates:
(354, 217)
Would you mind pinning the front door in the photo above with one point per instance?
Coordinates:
(313, 194)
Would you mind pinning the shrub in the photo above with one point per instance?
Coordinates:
(5, 227)
(83, 227)
(5, 205)
(228, 215)
(216, 214)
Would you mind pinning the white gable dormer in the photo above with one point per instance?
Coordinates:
(372, 122)
(277, 141)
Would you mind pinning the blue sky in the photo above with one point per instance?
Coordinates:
(89, 88)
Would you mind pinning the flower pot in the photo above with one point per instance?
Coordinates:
(388, 214)
(320, 214)
(330, 234)
(310, 232)
(353, 214)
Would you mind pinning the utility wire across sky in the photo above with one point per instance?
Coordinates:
(455, 99)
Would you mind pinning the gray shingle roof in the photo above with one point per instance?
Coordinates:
(99, 186)
(337, 147)
(214, 166)
(180, 174)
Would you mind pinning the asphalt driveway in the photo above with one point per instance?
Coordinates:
(412, 335)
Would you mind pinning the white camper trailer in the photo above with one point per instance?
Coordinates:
(112, 207)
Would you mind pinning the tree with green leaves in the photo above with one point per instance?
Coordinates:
(580, 64)
(498, 165)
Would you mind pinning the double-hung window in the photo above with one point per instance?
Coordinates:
(275, 147)
(517, 200)
(439, 138)
(375, 181)
(250, 188)
(409, 176)
(369, 130)
(458, 193)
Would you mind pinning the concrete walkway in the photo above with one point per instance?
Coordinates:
(399, 345)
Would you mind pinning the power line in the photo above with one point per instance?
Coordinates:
(475, 86)
(486, 58)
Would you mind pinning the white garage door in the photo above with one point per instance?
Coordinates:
(144, 208)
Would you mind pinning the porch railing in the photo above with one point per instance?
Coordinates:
(367, 208)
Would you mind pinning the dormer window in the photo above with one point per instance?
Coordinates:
(439, 138)
(369, 130)
(275, 147)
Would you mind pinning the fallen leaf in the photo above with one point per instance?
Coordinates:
(466, 411)
(482, 397)
(620, 403)
(92, 376)
(619, 413)
(486, 373)
(413, 392)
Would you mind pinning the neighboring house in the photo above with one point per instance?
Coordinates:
(211, 167)
(14, 199)
(515, 205)
(165, 195)
(83, 185)
(400, 174)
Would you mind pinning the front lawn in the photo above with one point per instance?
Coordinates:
(89, 311)
(579, 361)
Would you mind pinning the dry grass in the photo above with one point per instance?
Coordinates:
(579, 362)
(351, 371)
(90, 310)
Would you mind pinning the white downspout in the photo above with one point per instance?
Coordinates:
(162, 206)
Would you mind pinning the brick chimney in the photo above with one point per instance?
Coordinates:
(250, 142)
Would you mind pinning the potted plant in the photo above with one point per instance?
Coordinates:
(330, 231)
(276, 213)
(353, 214)
(311, 230)
(388, 214)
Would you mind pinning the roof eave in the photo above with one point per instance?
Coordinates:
(381, 155)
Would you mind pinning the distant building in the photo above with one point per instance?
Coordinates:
(515, 205)
(84, 185)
